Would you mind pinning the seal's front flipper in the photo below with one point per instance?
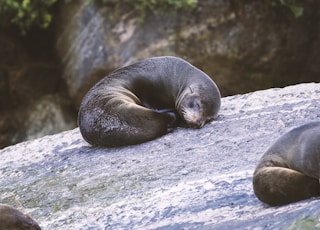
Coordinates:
(171, 116)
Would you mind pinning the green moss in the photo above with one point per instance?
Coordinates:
(291, 4)
(305, 223)
(26, 13)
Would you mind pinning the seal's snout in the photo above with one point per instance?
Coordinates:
(193, 118)
(200, 124)
(197, 124)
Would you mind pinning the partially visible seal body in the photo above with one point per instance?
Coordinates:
(290, 169)
(11, 218)
(140, 102)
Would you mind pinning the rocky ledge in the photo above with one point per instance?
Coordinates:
(186, 179)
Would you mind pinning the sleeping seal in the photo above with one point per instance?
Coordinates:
(145, 100)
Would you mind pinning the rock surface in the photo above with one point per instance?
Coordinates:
(186, 179)
(243, 45)
(29, 76)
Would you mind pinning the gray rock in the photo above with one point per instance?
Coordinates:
(31, 89)
(187, 179)
(242, 45)
(48, 115)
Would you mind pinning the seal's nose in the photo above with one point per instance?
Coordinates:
(197, 124)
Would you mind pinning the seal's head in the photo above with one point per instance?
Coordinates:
(198, 105)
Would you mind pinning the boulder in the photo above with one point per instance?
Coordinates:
(6, 123)
(39, 106)
(243, 45)
(32, 98)
(187, 179)
(48, 115)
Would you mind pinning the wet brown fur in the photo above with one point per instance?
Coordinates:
(13, 219)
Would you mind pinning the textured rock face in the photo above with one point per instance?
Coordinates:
(48, 115)
(29, 76)
(243, 45)
(186, 179)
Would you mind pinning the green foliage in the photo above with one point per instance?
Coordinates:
(25, 13)
(291, 4)
(28, 13)
(305, 223)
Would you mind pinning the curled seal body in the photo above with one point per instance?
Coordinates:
(289, 170)
(145, 100)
